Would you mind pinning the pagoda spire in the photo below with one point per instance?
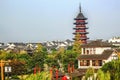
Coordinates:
(80, 7)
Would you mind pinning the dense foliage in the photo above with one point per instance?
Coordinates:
(25, 63)
(39, 76)
(114, 68)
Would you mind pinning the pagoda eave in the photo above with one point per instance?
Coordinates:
(80, 23)
(77, 28)
(80, 18)
(81, 33)
(81, 39)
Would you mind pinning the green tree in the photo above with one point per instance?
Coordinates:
(52, 61)
(23, 57)
(39, 76)
(18, 67)
(89, 74)
(114, 69)
(77, 44)
(40, 48)
(69, 57)
(38, 57)
(102, 75)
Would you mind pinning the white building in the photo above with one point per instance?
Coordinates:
(115, 41)
(95, 54)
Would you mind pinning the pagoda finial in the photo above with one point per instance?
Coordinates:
(80, 7)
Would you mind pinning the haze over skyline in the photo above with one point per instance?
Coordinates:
(47, 20)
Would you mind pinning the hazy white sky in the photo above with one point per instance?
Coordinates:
(47, 20)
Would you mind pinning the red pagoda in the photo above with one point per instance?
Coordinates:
(80, 22)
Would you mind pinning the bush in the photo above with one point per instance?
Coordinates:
(15, 77)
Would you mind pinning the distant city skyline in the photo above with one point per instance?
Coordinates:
(48, 20)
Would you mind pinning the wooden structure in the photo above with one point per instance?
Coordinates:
(2, 64)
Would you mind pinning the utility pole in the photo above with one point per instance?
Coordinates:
(2, 70)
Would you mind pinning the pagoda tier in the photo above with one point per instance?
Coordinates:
(80, 27)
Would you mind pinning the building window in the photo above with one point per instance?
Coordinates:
(88, 62)
(100, 62)
(87, 51)
(96, 63)
(94, 50)
(84, 62)
(93, 62)
(81, 62)
(90, 51)
(114, 57)
(83, 50)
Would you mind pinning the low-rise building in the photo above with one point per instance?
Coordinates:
(95, 54)
(115, 41)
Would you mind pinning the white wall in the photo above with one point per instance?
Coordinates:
(97, 50)
(112, 57)
(114, 39)
(100, 50)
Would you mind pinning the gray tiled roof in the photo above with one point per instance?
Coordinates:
(105, 55)
(80, 16)
(97, 43)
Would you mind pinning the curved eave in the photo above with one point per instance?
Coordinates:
(81, 33)
(80, 18)
(77, 28)
(80, 23)
(84, 38)
(81, 38)
(75, 39)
